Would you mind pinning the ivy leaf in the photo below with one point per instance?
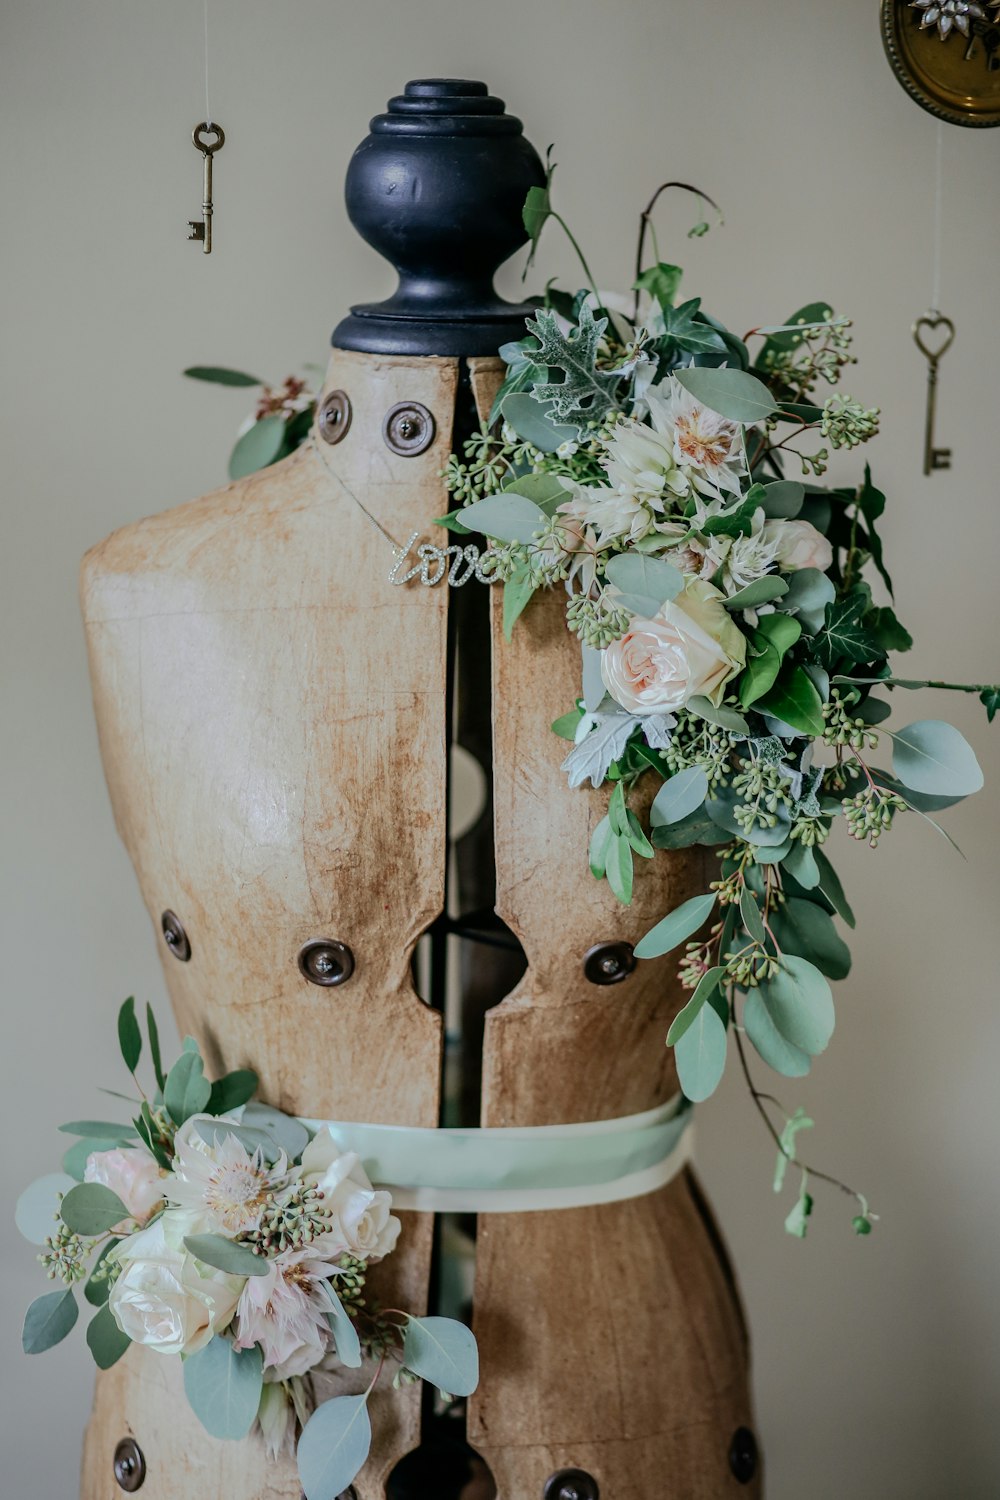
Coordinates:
(844, 637)
(795, 701)
(537, 209)
(48, 1320)
(990, 699)
(599, 746)
(738, 522)
(676, 927)
(662, 282)
(334, 1447)
(799, 1121)
(586, 393)
(129, 1036)
(683, 329)
(700, 1055)
(219, 375)
(871, 503)
(886, 629)
(734, 394)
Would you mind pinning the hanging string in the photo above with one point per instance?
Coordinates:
(938, 218)
(208, 108)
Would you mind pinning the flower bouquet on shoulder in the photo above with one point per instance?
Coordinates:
(223, 1231)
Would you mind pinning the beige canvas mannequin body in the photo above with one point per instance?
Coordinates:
(272, 721)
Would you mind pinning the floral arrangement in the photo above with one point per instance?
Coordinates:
(666, 474)
(230, 1234)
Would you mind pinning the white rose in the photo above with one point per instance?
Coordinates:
(163, 1297)
(691, 648)
(132, 1174)
(799, 545)
(362, 1222)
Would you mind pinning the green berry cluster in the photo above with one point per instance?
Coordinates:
(870, 813)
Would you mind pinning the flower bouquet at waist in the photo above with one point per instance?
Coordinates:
(666, 475)
(228, 1233)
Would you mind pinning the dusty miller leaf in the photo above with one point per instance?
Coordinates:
(603, 742)
(586, 393)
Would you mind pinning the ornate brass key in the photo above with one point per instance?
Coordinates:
(201, 229)
(931, 323)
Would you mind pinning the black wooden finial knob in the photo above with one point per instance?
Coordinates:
(438, 188)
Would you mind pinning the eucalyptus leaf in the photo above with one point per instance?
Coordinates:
(696, 828)
(620, 868)
(933, 757)
(259, 446)
(90, 1209)
(154, 1048)
(345, 1335)
(676, 927)
(443, 1352)
(226, 1255)
(546, 490)
(334, 1446)
(188, 1090)
(801, 860)
(700, 1055)
(505, 517)
(106, 1130)
(761, 591)
(98, 1288)
(105, 1339)
(646, 582)
(707, 985)
(719, 714)
(223, 1386)
(38, 1206)
(290, 1134)
(518, 590)
(600, 842)
(532, 424)
(129, 1035)
(732, 393)
(809, 593)
(679, 797)
(232, 1090)
(219, 375)
(779, 1054)
(774, 636)
(783, 499)
(593, 680)
(829, 884)
(752, 919)
(48, 1320)
(805, 929)
(799, 1002)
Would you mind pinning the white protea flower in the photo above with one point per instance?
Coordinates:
(948, 15)
(707, 448)
(640, 464)
(608, 515)
(226, 1185)
(750, 557)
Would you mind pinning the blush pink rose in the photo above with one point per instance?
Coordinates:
(690, 648)
(799, 545)
(133, 1175)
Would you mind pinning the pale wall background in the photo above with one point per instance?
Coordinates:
(877, 1362)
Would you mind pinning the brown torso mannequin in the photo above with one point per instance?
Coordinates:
(272, 716)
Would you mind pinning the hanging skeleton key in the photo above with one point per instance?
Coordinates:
(931, 323)
(201, 229)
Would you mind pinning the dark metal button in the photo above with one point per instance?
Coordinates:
(334, 417)
(325, 961)
(608, 963)
(571, 1484)
(743, 1455)
(130, 1466)
(175, 937)
(408, 428)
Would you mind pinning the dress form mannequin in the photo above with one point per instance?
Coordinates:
(274, 718)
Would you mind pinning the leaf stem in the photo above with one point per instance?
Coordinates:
(582, 258)
(646, 224)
